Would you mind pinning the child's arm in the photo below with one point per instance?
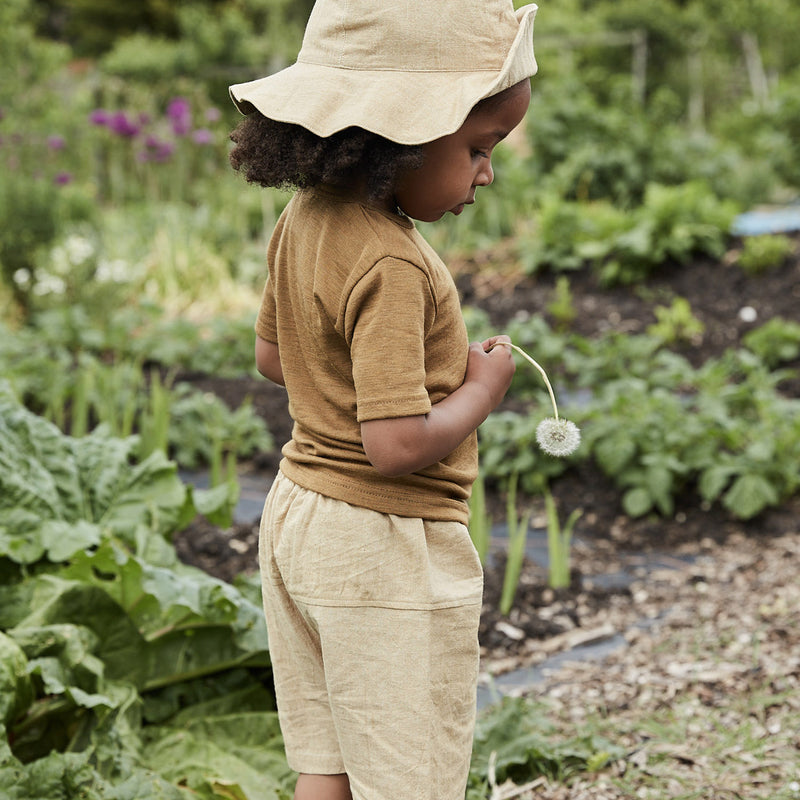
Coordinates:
(268, 361)
(403, 445)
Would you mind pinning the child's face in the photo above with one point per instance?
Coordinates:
(457, 164)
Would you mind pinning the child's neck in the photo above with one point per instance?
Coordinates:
(358, 191)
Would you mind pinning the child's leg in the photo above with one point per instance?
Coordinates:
(322, 787)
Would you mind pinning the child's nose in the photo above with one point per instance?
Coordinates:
(486, 174)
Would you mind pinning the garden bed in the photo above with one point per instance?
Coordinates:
(728, 302)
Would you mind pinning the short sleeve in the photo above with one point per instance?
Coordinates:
(266, 326)
(387, 315)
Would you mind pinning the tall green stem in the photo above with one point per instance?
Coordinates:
(541, 371)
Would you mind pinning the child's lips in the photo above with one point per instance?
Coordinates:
(460, 207)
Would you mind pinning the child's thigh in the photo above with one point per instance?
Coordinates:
(401, 685)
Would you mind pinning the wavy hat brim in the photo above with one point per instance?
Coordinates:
(405, 106)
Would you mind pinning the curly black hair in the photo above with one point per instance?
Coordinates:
(288, 156)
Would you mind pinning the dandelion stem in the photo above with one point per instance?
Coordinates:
(539, 367)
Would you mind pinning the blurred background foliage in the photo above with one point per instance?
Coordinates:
(114, 122)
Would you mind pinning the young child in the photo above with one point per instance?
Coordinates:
(372, 588)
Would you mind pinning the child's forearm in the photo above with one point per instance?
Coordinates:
(404, 445)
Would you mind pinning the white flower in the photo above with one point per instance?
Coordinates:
(558, 437)
(114, 271)
(49, 284)
(78, 249)
(22, 277)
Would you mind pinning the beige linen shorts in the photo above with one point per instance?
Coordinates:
(373, 631)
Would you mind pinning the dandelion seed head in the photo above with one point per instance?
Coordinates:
(558, 437)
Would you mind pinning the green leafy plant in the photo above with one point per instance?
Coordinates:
(87, 390)
(672, 224)
(774, 342)
(676, 323)
(639, 438)
(562, 307)
(29, 212)
(514, 740)
(203, 429)
(762, 253)
(561, 228)
(657, 425)
(119, 664)
(754, 465)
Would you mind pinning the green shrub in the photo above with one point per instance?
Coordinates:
(201, 422)
(673, 224)
(29, 212)
(764, 252)
(676, 323)
(121, 668)
(771, 133)
(776, 341)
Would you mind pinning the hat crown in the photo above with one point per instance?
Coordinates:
(407, 70)
(410, 35)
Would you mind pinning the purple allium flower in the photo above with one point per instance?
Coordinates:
(62, 178)
(165, 151)
(122, 126)
(178, 107)
(156, 150)
(203, 136)
(213, 114)
(56, 142)
(99, 117)
(179, 114)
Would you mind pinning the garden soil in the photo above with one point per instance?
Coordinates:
(634, 580)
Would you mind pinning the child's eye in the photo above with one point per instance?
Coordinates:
(480, 154)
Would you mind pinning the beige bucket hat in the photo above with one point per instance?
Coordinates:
(408, 70)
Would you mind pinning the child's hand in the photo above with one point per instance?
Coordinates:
(492, 367)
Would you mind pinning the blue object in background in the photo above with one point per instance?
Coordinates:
(778, 219)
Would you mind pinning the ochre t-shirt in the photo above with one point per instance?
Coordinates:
(369, 326)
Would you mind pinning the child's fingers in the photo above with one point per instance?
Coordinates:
(489, 344)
